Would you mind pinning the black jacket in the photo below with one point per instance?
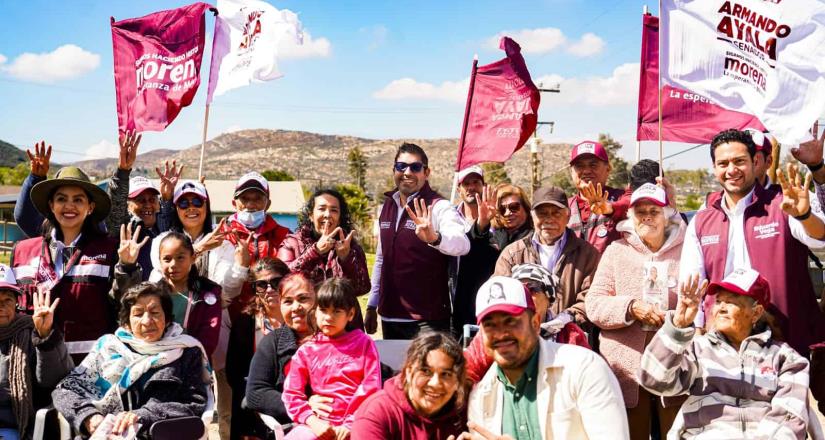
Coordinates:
(265, 381)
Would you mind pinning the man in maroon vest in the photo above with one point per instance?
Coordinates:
(596, 208)
(419, 232)
(749, 226)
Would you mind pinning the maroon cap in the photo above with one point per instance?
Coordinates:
(588, 148)
(745, 282)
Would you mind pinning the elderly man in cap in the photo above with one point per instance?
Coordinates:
(33, 358)
(554, 246)
(596, 208)
(741, 381)
(143, 204)
(537, 388)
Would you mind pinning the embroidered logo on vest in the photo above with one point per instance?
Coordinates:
(709, 239)
(766, 231)
(385, 225)
(410, 225)
(92, 258)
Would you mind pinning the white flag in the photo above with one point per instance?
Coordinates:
(763, 57)
(245, 46)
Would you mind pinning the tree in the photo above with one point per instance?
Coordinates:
(495, 173)
(14, 176)
(562, 180)
(357, 165)
(619, 177)
(359, 211)
(278, 176)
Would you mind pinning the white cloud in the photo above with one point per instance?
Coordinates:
(64, 63)
(539, 41)
(377, 35)
(408, 88)
(101, 150)
(590, 44)
(311, 47)
(2, 59)
(620, 88)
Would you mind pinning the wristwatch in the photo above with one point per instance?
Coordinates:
(437, 240)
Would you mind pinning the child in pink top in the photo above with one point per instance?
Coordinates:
(338, 362)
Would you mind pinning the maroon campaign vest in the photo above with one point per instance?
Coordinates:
(413, 274)
(774, 253)
(86, 311)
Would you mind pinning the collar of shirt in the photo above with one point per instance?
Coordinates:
(397, 197)
(529, 374)
(57, 247)
(739, 209)
(549, 253)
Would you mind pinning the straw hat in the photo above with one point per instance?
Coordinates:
(41, 193)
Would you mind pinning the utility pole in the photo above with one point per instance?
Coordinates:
(535, 176)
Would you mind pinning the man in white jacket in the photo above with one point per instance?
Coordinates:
(538, 389)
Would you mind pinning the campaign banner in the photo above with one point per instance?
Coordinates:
(686, 116)
(503, 109)
(245, 47)
(763, 57)
(157, 60)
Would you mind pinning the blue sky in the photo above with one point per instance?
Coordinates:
(386, 69)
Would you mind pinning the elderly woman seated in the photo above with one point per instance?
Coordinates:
(741, 382)
(33, 357)
(147, 371)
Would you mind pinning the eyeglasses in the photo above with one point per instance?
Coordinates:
(261, 285)
(415, 167)
(197, 202)
(512, 207)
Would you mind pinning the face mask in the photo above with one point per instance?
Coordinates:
(251, 219)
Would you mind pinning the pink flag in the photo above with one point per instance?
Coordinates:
(157, 65)
(686, 116)
(501, 110)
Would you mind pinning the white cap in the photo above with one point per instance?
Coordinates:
(7, 279)
(251, 180)
(650, 193)
(189, 187)
(475, 169)
(138, 184)
(502, 294)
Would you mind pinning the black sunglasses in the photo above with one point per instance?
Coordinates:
(415, 167)
(261, 285)
(513, 207)
(197, 202)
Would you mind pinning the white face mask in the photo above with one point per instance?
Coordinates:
(251, 219)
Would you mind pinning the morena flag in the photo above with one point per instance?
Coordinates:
(157, 65)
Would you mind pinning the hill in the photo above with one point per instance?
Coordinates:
(11, 156)
(320, 159)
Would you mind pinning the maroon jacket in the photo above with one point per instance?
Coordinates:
(774, 253)
(414, 275)
(388, 414)
(598, 230)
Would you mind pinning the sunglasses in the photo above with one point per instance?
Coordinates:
(197, 202)
(261, 285)
(415, 167)
(512, 207)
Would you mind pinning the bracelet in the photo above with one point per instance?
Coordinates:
(803, 216)
(816, 167)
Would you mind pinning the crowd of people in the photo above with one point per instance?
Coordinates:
(603, 314)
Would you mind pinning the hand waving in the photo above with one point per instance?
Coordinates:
(795, 196)
(690, 298)
(168, 179)
(344, 244)
(810, 153)
(213, 239)
(422, 217)
(327, 241)
(243, 257)
(597, 198)
(43, 316)
(129, 142)
(487, 202)
(39, 161)
(129, 246)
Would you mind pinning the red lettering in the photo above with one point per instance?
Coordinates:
(725, 8)
(725, 26)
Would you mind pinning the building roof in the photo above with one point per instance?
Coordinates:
(286, 197)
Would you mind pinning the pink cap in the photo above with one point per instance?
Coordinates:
(649, 193)
(138, 184)
(249, 181)
(503, 294)
(190, 187)
(475, 169)
(588, 147)
(7, 279)
(746, 282)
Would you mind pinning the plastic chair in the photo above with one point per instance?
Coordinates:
(469, 331)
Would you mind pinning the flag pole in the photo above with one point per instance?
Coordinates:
(203, 140)
(659, 95)
(638, 142)
(464, 125)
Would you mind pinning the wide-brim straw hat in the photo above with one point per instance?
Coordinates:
(42, 192)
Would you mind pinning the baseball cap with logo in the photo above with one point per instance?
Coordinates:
(588, 148)
(502, 294)
(190, 187)
(475, 169)
(138, 184)
(251, 180)
(549, 194)
(745, 282)
(649, 193)
(7, 280)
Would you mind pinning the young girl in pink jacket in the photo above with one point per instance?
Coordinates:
(339, 362)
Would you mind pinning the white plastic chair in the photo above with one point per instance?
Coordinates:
(392, 352)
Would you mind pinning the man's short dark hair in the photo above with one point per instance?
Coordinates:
(407, 147)
(146, 288)
(732, 135)
(644, 171)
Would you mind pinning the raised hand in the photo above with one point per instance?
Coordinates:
(169, 177)
(129, 246)
(597, 198)
(328, 238)
(422, 217)
(243, 257)
(344, 244)
(39, 161)
(43, 316)
(810, 153)
(213, 239)
(670, 191)
(129, 142)
(795, 196)
(690, 298)
(487, 202)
